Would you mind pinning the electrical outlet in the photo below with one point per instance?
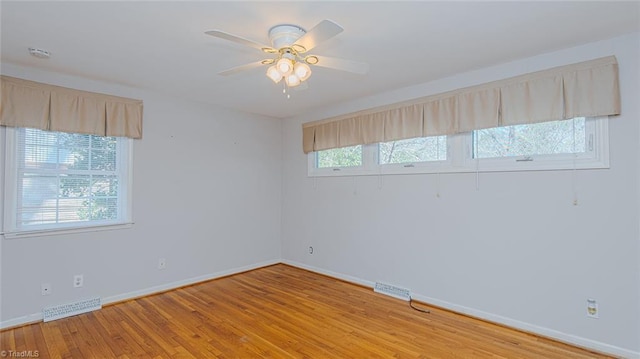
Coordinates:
(592, 309)
(78, 280)
(45, 288)
(162, 263)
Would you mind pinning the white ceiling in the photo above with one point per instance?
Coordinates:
(161, 46)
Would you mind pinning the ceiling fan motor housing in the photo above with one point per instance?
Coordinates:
(285, 35)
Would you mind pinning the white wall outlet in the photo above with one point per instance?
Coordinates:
(162, 263)
(592, 309)
(78, 280)
(45, 288)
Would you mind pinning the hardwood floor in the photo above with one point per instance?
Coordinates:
(277, 312)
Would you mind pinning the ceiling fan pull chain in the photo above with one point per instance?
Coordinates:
(284, 90)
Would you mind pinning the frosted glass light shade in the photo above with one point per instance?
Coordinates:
(274, 74)
(284, 66)
(302, 70)
(292, 80)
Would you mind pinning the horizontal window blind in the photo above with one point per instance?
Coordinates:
(65, 178)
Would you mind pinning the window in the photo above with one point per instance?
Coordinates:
(413, 150)
(58, 181)
(547, 138)
(340, 157)
(567, 144)
(575, 143)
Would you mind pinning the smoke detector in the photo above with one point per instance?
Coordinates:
(39, 53)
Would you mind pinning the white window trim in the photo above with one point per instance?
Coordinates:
(460, 158)
(10, 193)
(595, 157)
(363, 169)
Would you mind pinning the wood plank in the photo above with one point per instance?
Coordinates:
(280, 312)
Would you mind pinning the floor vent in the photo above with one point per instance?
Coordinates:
(392, 290)
(71, 309)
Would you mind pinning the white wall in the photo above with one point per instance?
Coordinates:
(207, 196)
(515, 251)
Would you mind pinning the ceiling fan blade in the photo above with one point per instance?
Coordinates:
(235, 70)
(325, 30)
(360, 68)
(240, 40)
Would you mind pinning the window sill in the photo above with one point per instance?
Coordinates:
(460, 170)
(61, 231)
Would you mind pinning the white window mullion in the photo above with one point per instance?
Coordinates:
(370, 159)
(58, 198)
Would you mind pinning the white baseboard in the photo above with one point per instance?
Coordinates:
(546, 332)
(336, 275)
(16, 322)
(37, 317)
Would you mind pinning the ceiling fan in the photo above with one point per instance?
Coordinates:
(290, 59)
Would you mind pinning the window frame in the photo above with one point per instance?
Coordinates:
(596, 154)
(10, 228)
(414, 167)
(340, 170)
(460, 158)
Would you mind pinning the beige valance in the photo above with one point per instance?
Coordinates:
(586, 89)
(54, 108)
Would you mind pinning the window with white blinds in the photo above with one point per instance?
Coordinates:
(58, 180)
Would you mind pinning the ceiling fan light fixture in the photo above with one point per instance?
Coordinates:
(292, 80)
(284, 66)
(274, 74)
(302, 70)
